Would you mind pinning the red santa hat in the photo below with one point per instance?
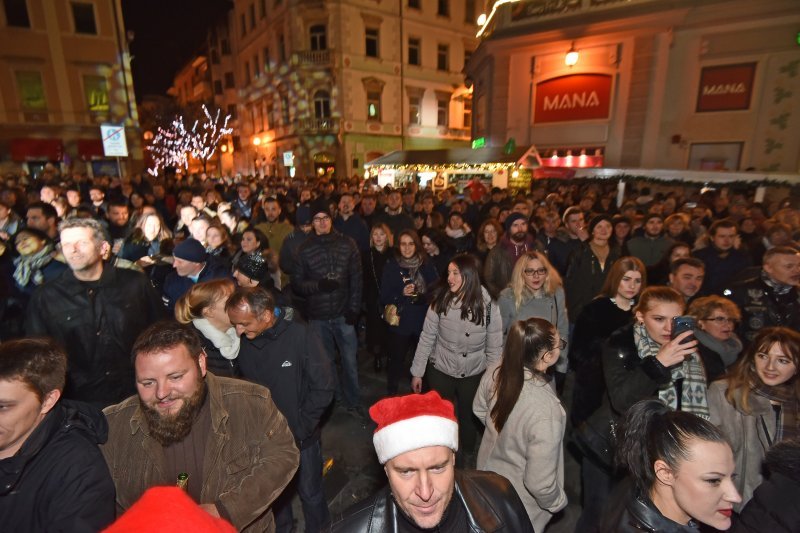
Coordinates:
(407, 423)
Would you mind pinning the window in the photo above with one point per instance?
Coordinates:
(243, 24)
(285, 109)
(31, 91)
(17, 13)
(413, 4)
(217, 86)
(415, 110)
(83, 16)
(252, 16)
(266, 58)
(372, 38)
(443, 9)
(281, 49)
(256, 116)
(229, 84)
(414, 55)
(467, 113)
(322, 105)
(271, 113)
(319, 37)
(374, 105)
(225, 46)
(442, 52)
(467, 55)
(232, 111)
(256, 69)
(237, 142)
(262, 8)
(95, 90)
(469, 12)
(247, 73)
(442, 111)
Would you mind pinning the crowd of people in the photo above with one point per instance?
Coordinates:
(196, 331)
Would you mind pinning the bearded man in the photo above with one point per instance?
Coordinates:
(225, 434)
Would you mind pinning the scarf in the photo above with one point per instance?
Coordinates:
(227, 342)
(413, 265)
(457, 233)
(785, 395)
(691, 372)
(30, 266)
(728, 350)
(779, 288)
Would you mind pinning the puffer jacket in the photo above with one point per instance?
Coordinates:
(459, 348)
(58, 479)
(491, 502)
(331, 256)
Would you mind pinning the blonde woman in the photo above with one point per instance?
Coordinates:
(535, 291)
(718, 345)
(203, 306)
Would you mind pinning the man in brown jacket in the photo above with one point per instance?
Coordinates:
(226, 434)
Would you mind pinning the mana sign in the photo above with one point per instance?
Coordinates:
(574, 97)
(725, 87)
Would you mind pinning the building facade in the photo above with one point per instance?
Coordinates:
(65, 70)
(706, 85)
(324, 85)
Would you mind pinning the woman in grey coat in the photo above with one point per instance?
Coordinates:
(462, 335)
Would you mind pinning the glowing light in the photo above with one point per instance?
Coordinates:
(256, 141)
(223, 148)
(571, 59)
(482, 19)
(488, 19)
(515, 174)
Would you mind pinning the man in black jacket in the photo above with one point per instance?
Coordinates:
(329, 276)
(284, 356)
(52, 474)
(416, 441)
(95, 311)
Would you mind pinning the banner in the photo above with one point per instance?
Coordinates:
(726, 87)
(574, 97)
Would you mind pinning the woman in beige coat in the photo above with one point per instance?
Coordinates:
(524, 419)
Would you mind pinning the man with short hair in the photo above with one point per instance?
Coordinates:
(557, 250)
(274, 227)
(416, 440)
(222, 437)
(367, 206)
(97, 195)
(650, 247)
(686, 276)
(721, 258)
(288, 259)
(191, 264)
(393, 215)
(242, 205)
(52, 474)
(575, 226)
(771, 298)
(43, 217)
(198, 228)
(502, 258)
(349, 223)
(286, 357)
(118, 217)
(95, 311)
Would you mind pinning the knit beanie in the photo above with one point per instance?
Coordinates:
(513, 217)
(252, 265)
(598, 219)
(190, 250)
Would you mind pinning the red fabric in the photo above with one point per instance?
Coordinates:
(24, 149)
(395, 409)
(168, 510)
(88, 148)
(476, 190)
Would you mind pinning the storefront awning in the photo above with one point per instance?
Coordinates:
(29, 149)
(89, 148)
(523, 157)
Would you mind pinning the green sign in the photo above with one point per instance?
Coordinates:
(31, 91)
(480, 142)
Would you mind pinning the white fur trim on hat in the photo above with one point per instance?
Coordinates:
(413, 434)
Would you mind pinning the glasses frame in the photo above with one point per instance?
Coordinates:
(720, 320)
(535, 271)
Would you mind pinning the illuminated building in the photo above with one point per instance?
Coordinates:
(324, 86)
(642, 83)
(65, 70)
(192, 83)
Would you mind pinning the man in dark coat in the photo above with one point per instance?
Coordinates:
(52, 474)
(95, 311)
(191, 265)
(281, 354)
(723, 261)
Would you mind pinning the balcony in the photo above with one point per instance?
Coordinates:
(316, 125)
(312, 58)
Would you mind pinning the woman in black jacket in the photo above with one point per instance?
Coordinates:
(681, 469)
(372, 263)
(203, 306)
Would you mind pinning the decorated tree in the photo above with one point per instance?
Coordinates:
(206, 135)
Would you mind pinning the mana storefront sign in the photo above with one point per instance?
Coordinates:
(726, 87)
(574, 97)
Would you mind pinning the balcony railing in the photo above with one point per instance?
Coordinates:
(316, 125)
(533, 10)
(312, 58)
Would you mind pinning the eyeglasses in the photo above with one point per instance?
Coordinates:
(562, 344)
(323, 218)
(720, 320)
(535, 271)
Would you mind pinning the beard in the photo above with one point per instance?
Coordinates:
(519, 236)
(170, 429)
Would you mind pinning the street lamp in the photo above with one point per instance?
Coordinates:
(572, 56)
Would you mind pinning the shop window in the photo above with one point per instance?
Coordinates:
(414, 51)
(319, 37)
(371, 42)
(83, 17)
(17, 13)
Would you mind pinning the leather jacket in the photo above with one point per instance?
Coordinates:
(491, 502)
(637, 513)
(763, 307)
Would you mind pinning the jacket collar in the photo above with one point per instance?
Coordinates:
(650, 519)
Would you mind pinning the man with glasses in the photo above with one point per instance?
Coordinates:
(329, 276)
(771, 298)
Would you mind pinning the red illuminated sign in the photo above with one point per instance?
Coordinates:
(726, 88)
(575, 97)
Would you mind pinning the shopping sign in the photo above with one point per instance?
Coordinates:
(574, 97)
(114, 143)
(726, 87)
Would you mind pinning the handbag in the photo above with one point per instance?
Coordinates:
(391, 314)
(598, 445)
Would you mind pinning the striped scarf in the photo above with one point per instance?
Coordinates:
(693, 392)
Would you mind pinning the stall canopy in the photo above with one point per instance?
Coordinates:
(523, 157)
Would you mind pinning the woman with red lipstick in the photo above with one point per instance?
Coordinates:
(681, 470)
(758, 404)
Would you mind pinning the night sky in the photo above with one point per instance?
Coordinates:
(167, 34)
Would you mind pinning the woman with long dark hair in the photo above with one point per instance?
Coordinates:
(682, 473)
(409, 277)
(524, 419)
(461, 336)
(758, 403)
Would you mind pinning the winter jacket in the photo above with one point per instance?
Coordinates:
(491, 502)
(552, 308)
(412, 311)
(97, 322)
(650, 251)
(720, 271)
(529, 450)
(332, 256)
(585, 277)
(58, 480)
(750, 435)
(500, 263)
(251, 451)
(290, 361)
(355, 228)
(176, 286)
(762, 307)
(637, 513)
(276, 233)
(456, 347)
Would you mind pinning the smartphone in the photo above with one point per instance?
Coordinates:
(681, 324)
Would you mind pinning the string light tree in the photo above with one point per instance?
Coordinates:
(169, 147)
(206, 136)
